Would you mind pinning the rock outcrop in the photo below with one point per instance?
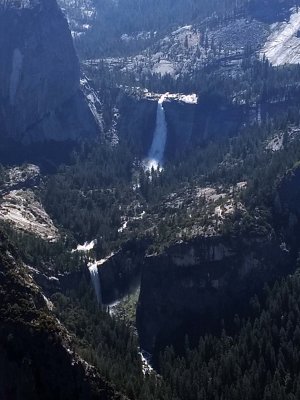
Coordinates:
(40, 97)
(21, 207)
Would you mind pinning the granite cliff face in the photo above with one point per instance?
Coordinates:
(193, 285)
(39, 75)
(121, 273)
(188, 124)
(137, 120)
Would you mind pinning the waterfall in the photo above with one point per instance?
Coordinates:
(93, 268)
(156, 152)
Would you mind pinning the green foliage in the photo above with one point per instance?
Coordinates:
(261, 361)
(85, 197)
(109, 344)
(132, 16)
(45, 256)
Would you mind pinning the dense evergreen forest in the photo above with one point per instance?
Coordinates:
(253, 357)
(131, 16)
(259, 360)
(114, 19)
(102, 177)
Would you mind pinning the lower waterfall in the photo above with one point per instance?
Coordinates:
(95, 277)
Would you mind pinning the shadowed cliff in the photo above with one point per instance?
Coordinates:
(39, 75)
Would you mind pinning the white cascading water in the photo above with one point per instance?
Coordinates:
(93, 268)
(156, 152)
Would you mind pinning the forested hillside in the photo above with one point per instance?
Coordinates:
(259, 361)
(149, 21)
(109, 250)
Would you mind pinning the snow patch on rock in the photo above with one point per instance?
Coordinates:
(188, 99)
(180, 97)
(86, 247)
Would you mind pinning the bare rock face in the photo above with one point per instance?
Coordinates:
(39, 75)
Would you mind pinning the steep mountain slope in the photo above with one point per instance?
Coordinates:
(39, 75)
(174, 42)
(36, 356)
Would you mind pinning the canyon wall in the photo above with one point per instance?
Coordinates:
(193, 285)
(40, 96)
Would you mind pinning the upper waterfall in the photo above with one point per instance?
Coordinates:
(157, 150)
